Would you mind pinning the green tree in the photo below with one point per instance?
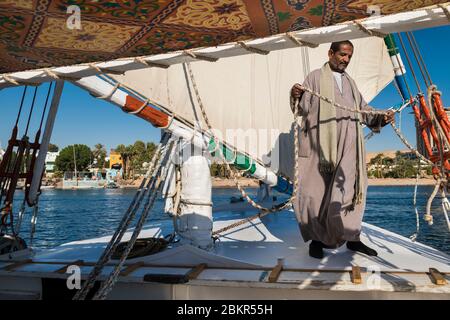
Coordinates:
(138, 151)
(53, 147)
(65, 160)
(150, 150)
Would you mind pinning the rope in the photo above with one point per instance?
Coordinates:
(409, 64)
(444, 8)
(427, 216)
(296, 151)
(372, 33)
(57, 76)
(33, 223)
(421, 68)
(137, 111)
(109, 95)
(410, 147)
(403, 75)
(299, 42)
(335, 104)
(31, 111)
(107, 285)
(20, 217)
(200, 56)
(252, 49)
(21, 105)
(169, 123)
(45, 105)
(420, 57)
(196, 203)
(10, 80)
(430, 91)
(445, 207)
(248, 219)
(123, 225)
(177, 201)
(150, 64)
(414, 236)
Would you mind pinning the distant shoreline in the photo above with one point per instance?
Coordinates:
(253, 183)
(401, 182)
(248, 182)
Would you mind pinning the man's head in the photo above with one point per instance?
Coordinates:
(340, 54)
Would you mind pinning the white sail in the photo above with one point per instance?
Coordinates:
(246, 98)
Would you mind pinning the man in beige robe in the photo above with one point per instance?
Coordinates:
(332, 173)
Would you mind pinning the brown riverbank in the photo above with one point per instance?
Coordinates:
(229, 183)
(216, 183)
(400, 182)
(253, 183)
(247, 182)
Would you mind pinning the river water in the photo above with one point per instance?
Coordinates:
(69, 215)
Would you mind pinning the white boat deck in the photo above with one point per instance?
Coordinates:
(246, 258)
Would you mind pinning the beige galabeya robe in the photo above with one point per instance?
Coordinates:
(324, 201)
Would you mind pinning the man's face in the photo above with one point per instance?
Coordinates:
(339, 60)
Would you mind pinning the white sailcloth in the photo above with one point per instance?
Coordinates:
(247, 97)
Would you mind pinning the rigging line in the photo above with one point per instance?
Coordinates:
(445, 208)
(31, 110)
(409, 62)
(441, 134)
(158, 182)
(413, 237)
(45, 106)
(124, 223)
(421, 58)
(402, 75)
(417, 59)
(21, 105)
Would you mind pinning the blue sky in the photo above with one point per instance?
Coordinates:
(86, 120)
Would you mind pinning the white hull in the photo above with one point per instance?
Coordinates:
(83, 184)
(242, 265)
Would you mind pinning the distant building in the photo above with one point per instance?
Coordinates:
(50, 159)
(115, 160)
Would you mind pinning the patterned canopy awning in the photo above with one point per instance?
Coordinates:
(41, 33)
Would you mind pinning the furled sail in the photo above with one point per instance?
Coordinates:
(246, 98)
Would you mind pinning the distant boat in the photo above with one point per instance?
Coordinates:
(83, 180)
(111, 185)
(47, 187)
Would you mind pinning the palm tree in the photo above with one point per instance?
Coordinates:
(99, 154)
(378, 160)
(124, 152)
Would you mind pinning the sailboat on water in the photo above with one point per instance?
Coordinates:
(229, 101)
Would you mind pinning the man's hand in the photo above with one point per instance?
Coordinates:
(389, 117)
(296, 91)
